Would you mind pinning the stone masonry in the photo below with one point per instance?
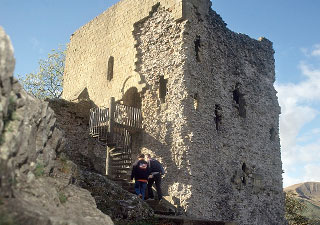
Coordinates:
(210, 110)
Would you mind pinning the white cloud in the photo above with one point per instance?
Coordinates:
(288, 181)
(297, 103)
(35, 43)
(312, 172)
(316, 50)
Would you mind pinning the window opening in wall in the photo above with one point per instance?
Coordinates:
(110, 68)
(239, 100)
(197, 46)
(163, 89)
(272, 134)
(244, 167)
(243, 179)
(196, 101)
(236, 96)
(218, 117)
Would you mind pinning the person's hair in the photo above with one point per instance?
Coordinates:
(141, 156)
(148, 156)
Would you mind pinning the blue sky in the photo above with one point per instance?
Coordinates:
(37, 26)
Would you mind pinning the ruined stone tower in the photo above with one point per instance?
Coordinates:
(210, 111)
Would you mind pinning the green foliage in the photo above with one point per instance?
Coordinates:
(312, 212)
(2, 139)
(10, 116)
(6, 219)
(64, 167)
(12, 180)
(47, 82)
(294, 210)
(39, 170)
(62, 197)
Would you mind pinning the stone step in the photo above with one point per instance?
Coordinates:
(162, 207)
(182, 220)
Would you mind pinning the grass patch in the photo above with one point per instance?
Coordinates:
(65, 167)
(62, 197)
(6, 219)
(11, 116)
(12, 180)
(39, 170)
(2, 139)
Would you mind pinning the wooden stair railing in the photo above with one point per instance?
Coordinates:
(112, 126)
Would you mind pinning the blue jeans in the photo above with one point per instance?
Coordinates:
(140, 188)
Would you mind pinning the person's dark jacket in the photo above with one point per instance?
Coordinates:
(155, 167)
(140, 170)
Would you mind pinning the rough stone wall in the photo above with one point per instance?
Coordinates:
(109, 34)
(161, 53)
(232, 111)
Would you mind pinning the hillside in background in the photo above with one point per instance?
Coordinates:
(309, 194)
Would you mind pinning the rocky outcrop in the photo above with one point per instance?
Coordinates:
(33, 187)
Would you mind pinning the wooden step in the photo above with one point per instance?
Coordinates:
(121, 167)
(120, 174)
(120, 163)
(123, 158)
(116, 168)
(116, 149)
(118, 154)
(94, 135)
(111, 144)
(102, 139)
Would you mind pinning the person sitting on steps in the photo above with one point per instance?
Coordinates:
(157, 171)
(140, 172)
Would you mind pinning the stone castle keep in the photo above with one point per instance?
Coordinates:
(209, 108)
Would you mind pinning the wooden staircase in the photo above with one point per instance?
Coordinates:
(113, 127)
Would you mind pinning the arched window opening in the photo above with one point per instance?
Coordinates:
(132, 98)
